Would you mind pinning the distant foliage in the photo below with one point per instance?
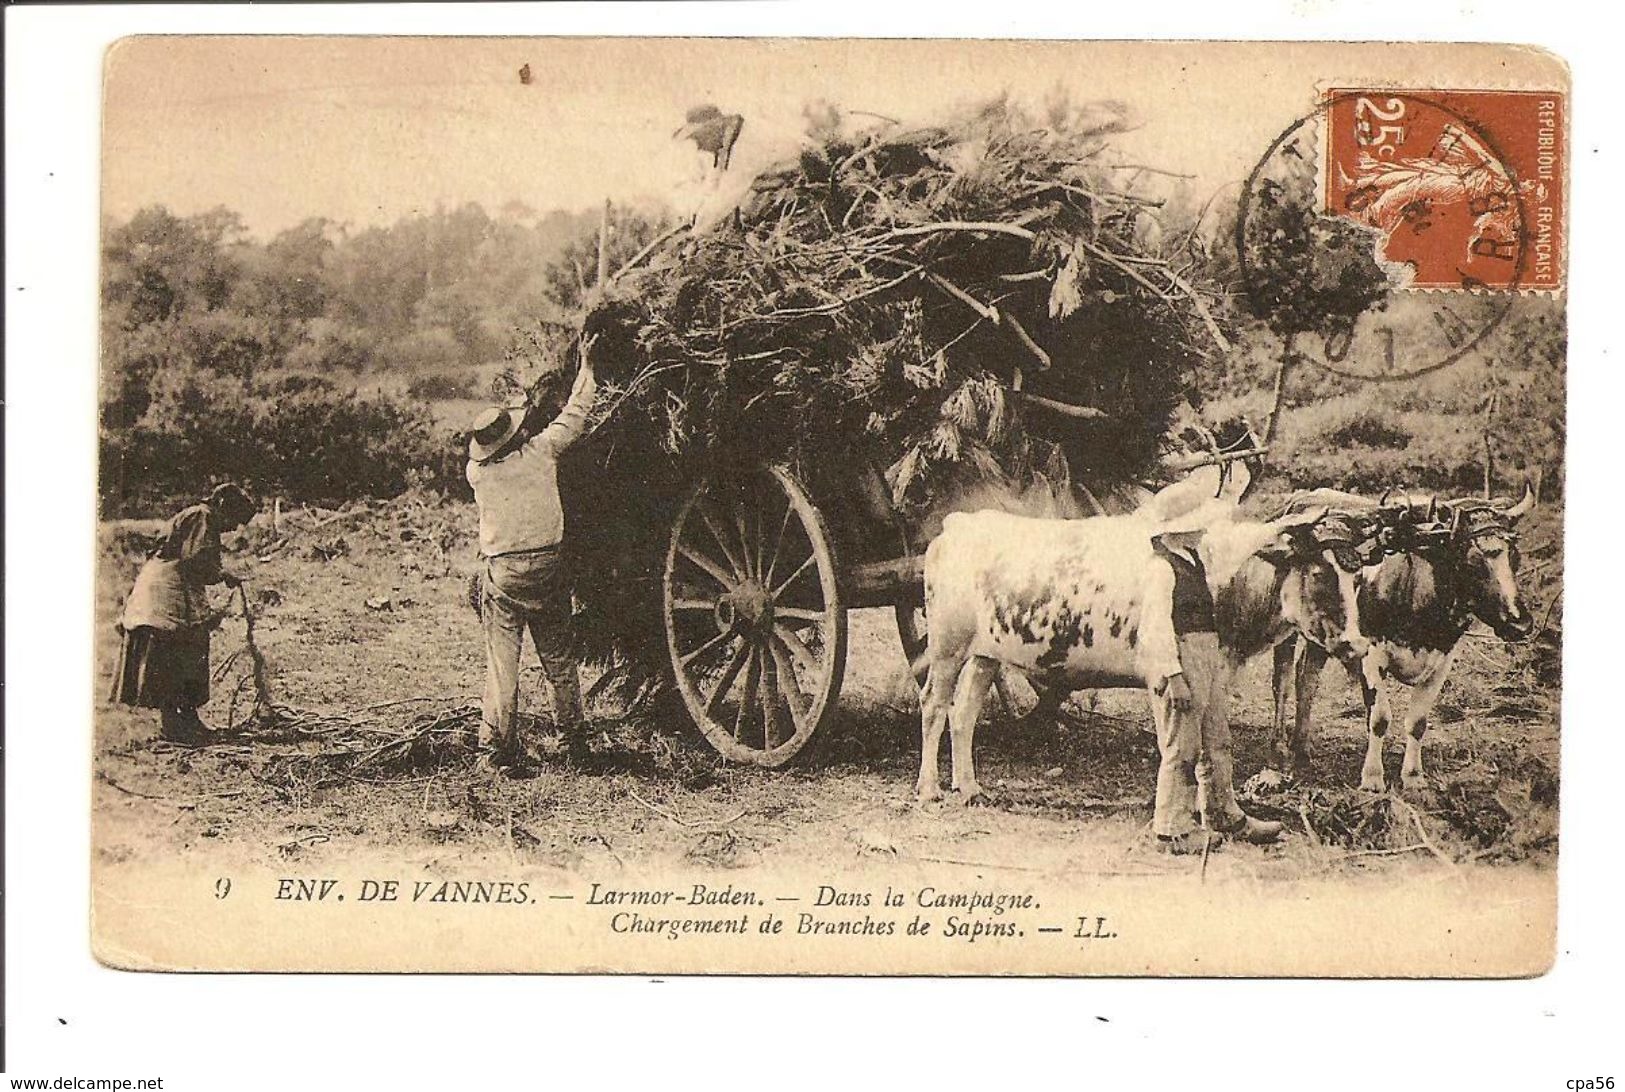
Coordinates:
(441, 386)
(226, 357)
(297, 436)
(1426, 432)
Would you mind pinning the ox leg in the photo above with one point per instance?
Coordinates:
(1305, 684)
(1281, 684)
(935, 700)
(1377, 717)
(1296, 679)
(974, 683)
(1423, 696)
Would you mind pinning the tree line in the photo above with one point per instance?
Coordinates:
(227, 356)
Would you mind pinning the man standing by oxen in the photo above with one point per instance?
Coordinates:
(1195, 779)
(1114, 601)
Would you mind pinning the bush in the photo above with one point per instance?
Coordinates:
(441, 386)
(1368, 428)
(295, 436)
(331, 346)
(423, 350)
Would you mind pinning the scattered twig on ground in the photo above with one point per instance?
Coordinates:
(1422, 833)
(680, 821)
(1394, 852)
(976, 864)
(102, 776)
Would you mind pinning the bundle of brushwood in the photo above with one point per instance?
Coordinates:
(989, 300)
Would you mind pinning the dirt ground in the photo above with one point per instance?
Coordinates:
(365, 610)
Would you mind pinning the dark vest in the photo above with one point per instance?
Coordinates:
(1193, 601)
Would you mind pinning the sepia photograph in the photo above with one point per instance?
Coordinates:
(832, 507)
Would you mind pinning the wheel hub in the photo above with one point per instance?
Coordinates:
(748, 607)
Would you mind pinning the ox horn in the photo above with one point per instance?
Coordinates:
(1524, 506)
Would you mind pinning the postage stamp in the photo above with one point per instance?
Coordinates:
(1466, 187)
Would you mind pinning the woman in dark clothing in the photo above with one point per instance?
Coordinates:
(164, 662)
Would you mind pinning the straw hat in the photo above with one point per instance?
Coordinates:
(492, 429)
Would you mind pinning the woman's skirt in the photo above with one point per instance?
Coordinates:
(163, 669)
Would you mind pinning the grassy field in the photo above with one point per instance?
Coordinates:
(367, 606)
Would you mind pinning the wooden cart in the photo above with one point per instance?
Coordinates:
(761, 569)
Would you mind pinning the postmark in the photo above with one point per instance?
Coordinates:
(1388, 232)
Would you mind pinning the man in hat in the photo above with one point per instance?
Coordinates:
(1191, 710)
(514, 474)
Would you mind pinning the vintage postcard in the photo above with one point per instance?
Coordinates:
(830, 507)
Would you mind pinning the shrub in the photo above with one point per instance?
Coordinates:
(423, 350)
(294, 435)
(441, 386)
(331, 346)
(1369, 428)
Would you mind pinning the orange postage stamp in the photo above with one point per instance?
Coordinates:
(1465, 187)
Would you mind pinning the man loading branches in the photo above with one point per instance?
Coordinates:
(513, 469)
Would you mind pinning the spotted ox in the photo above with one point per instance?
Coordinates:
(1066, 602)
(1443, 565)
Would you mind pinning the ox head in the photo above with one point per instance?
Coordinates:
(1473, 546)
(1318, 554)
(1484, 555)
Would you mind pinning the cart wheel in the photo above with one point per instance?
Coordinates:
(755, 623)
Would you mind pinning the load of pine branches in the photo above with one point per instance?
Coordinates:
(989, 299)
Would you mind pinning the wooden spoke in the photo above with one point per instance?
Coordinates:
(778, 544)
(799, 614)
(714, 643)
(747, 700)
(752, 567)
(713, 704)
(786, 673)
(759, 539)
(711, 568)
(812, 558)
(770, 702)
(722, 543)
(706, 605)
(797, 648)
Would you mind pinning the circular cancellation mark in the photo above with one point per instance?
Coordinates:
(1435, 189)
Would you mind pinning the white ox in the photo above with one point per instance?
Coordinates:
(1065, 602)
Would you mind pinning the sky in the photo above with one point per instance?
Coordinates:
(366, 130)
